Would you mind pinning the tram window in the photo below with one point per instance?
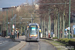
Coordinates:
(33, 30)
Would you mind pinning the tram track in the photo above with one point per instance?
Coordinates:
(38, 44)
(41, 45)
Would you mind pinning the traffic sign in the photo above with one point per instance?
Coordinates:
(13, 26)
(68, 28)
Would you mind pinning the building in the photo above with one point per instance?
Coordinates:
(36, 6)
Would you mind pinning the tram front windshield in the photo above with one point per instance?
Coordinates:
(33, 30)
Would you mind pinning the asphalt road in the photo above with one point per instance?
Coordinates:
(41, 45)
(6, 44)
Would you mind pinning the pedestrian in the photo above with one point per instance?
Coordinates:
(18, 34)
(61, 33)
(51, 34)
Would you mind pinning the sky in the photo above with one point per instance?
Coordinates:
(9, 3)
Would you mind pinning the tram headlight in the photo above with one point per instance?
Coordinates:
(36, 35)
(32, 35)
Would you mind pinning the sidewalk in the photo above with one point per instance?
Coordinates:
(22, 43)
(4, 40)
(21, 38)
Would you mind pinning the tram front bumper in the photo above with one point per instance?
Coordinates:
(33, 38)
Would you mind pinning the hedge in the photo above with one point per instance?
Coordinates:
(72, 42)
(55, 38)
(73, 35)
(69, 41)
(64, 40)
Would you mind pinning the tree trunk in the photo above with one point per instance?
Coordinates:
(44, 28)
(55, 27)
(21, 30)
(60, 27)
(63, 26)
(47, 29)
(49, 26)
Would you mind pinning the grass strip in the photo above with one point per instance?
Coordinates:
(58, 45)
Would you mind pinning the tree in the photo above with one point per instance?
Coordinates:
(56, 8)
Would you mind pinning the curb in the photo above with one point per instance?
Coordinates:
(19, 46)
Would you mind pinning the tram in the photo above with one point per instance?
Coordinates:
(32, 32)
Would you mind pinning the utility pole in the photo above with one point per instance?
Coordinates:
(24, 30)
(35, 1)
(21, 25)
(32, 2)
(7, 23)
(69, 15)
(44, 28)
(3, 22)
(12, 25)
(12, 21)
(40, 26)
(27, 1)
(31, 19)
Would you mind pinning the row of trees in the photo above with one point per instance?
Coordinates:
(23, 11)
(58, 10)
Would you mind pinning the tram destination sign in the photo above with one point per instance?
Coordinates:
(32, 26)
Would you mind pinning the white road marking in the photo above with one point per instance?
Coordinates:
(0, 43)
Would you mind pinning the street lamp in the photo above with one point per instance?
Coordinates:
(20, 24)
(32, 19)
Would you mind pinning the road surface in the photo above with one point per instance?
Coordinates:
(6, 44)
(41, 45)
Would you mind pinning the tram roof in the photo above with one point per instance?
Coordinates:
(33, 24)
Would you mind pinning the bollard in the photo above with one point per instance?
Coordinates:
(41, 35)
